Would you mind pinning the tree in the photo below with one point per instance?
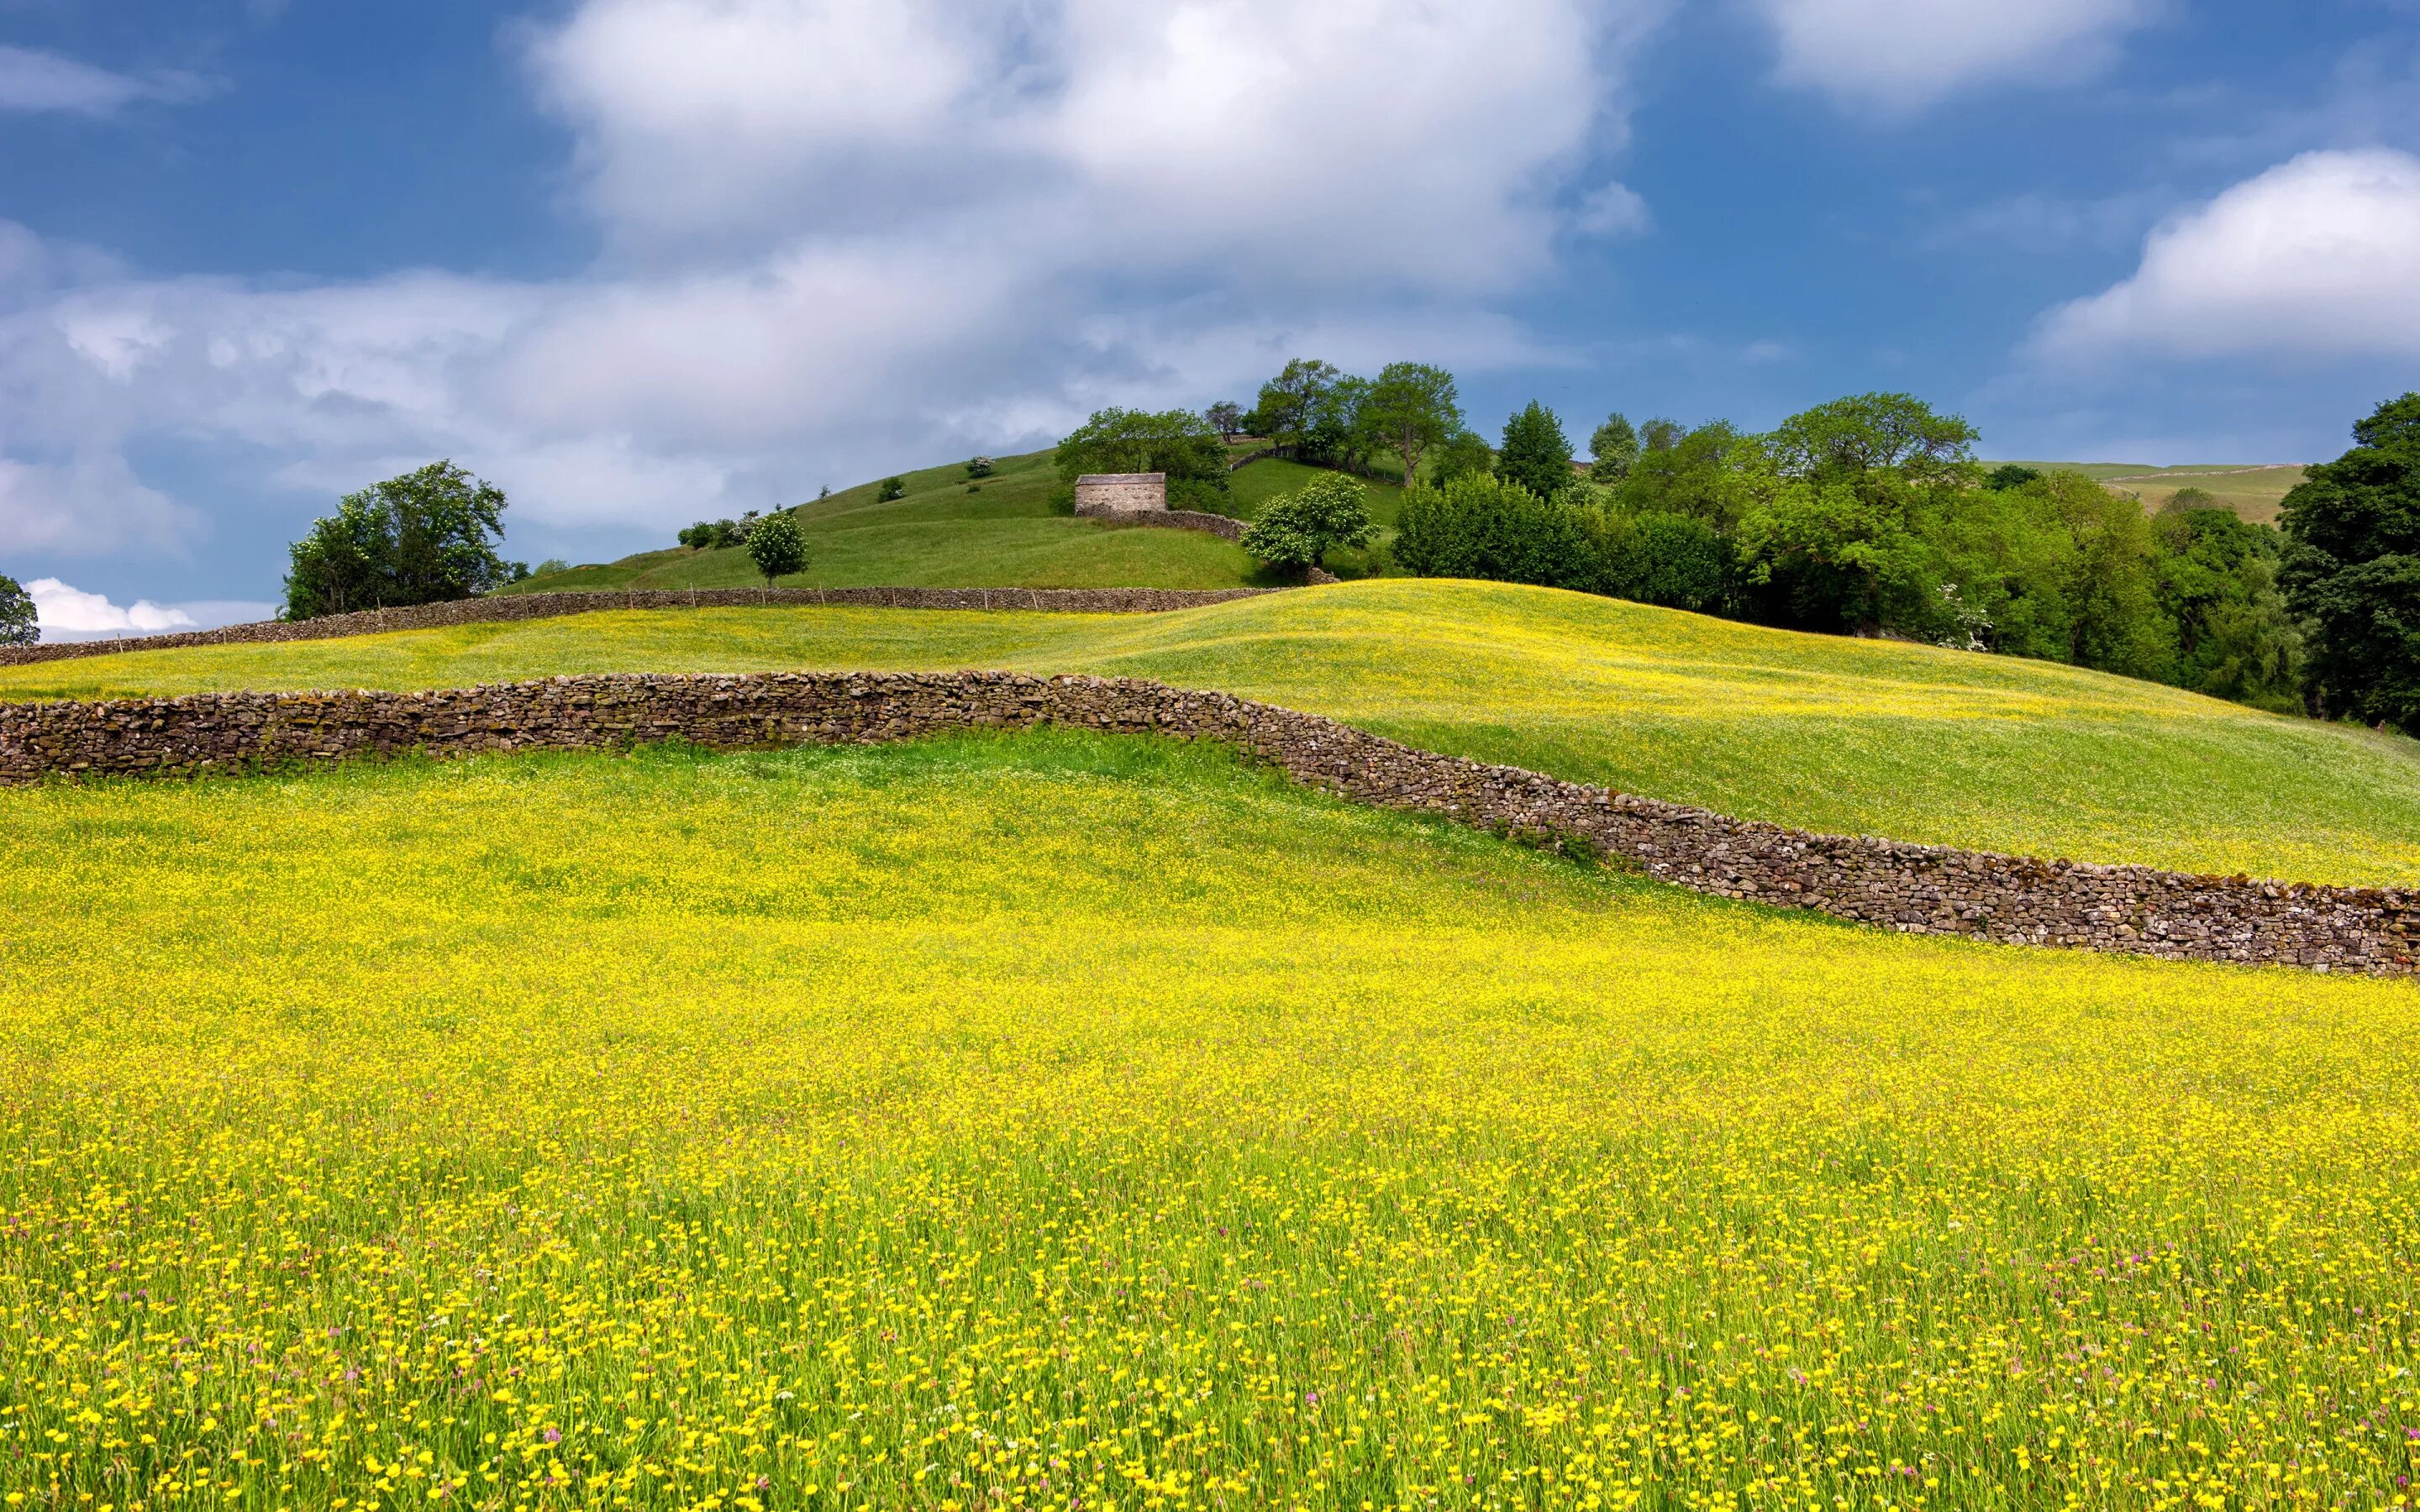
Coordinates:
(1299, 529)
(1661, 435)
(2188, 499)
(1710, 474)
(424, 537)
(19, 625)
(1177, 443)
(1226, 418)
(1289, 403)
(2352, 568)
(980, 466)
(1613, 451)
(892, 489)
(2010, 475)
(1339, 434)
(778, 547)
(1536, 453)
(1464, 454)
(1866, 434)
(1414, 408)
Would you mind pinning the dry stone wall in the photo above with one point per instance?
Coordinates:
(1117, 493)
(1177, 520)
(1915, 888)
(548, 605)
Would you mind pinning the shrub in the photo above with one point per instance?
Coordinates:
(892, 489)
(1481, 526)
(1297, 529)
(777, 547)
(980, 468)
(1671, 560)
(1198, 494)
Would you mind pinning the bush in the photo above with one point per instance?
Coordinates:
(892, 489)
(980, 468)
(1297, 529)
(1481, 526)
(777, 547)
(1062, 498)
(551, 564)
(1673, 561)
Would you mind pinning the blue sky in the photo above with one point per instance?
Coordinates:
(645, 261)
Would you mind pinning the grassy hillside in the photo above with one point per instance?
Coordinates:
(2252, 491)
(1018, 1122)
(999, 535)
(1828, 733)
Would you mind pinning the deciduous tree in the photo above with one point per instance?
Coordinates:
(2352, 568)
(777, 547)
(1414, 408)
(1536, 453)
(19, 625)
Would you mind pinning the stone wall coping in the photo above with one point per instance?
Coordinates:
(1902, 885)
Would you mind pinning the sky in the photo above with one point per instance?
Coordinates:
(642, 262)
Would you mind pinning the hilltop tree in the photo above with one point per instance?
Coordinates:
(1178, 442)
(1536, 453)
(2010, 475)
(19, 625)
(1227, 418)
(1613, 451)
(424, 537)
(1414, 408)
(1298, 530)
(2352, 568)
(778, 547)
(1290, 402)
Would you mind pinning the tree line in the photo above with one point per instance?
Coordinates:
(1871, 516)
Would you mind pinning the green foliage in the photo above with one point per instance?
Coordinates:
(19, 625)
(1672, 560)
(1177, 443)
(2189, 498)
(1413, 408)
(2352, 568)
(424, 537)
(980, 468)
(1297, 531)
(1867, 436)
(1536, 453)
(551, 564)
(1291, 403)
(2236, 638)
(707, 535)
(777, 547)
(2010, 475)
(1464, 454)
(1613, 450)
(1479, 525)
(892, 489)
(1712, 475)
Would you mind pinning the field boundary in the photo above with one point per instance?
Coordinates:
(1922, 890)
(511, 607)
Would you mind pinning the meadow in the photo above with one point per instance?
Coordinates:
(1067, 1121)
(1828, 733)
(2254, 492)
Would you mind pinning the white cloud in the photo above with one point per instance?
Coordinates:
(68, 613)
(1900, 55)
(37, 81)
(2318, 256)
(844, 238)
(1613, 211)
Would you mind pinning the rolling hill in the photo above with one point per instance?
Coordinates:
(1871, 737)
(999, 534)
(2253, 492)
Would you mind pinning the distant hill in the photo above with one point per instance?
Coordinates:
(2253, 491)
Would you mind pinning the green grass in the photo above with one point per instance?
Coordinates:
(939, 536)
(1004, 1122)
(1823, 732)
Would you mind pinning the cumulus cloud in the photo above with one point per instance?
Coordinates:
(1009, 216)
(66, 614)
(31, 80)
(2318, 256)
(1900, 56)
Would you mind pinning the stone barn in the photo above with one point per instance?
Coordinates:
(1121, 493)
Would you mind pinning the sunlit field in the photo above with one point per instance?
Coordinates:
(1059, 1122)
(1828, 733)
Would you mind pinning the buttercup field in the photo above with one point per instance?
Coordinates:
(817, 756)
